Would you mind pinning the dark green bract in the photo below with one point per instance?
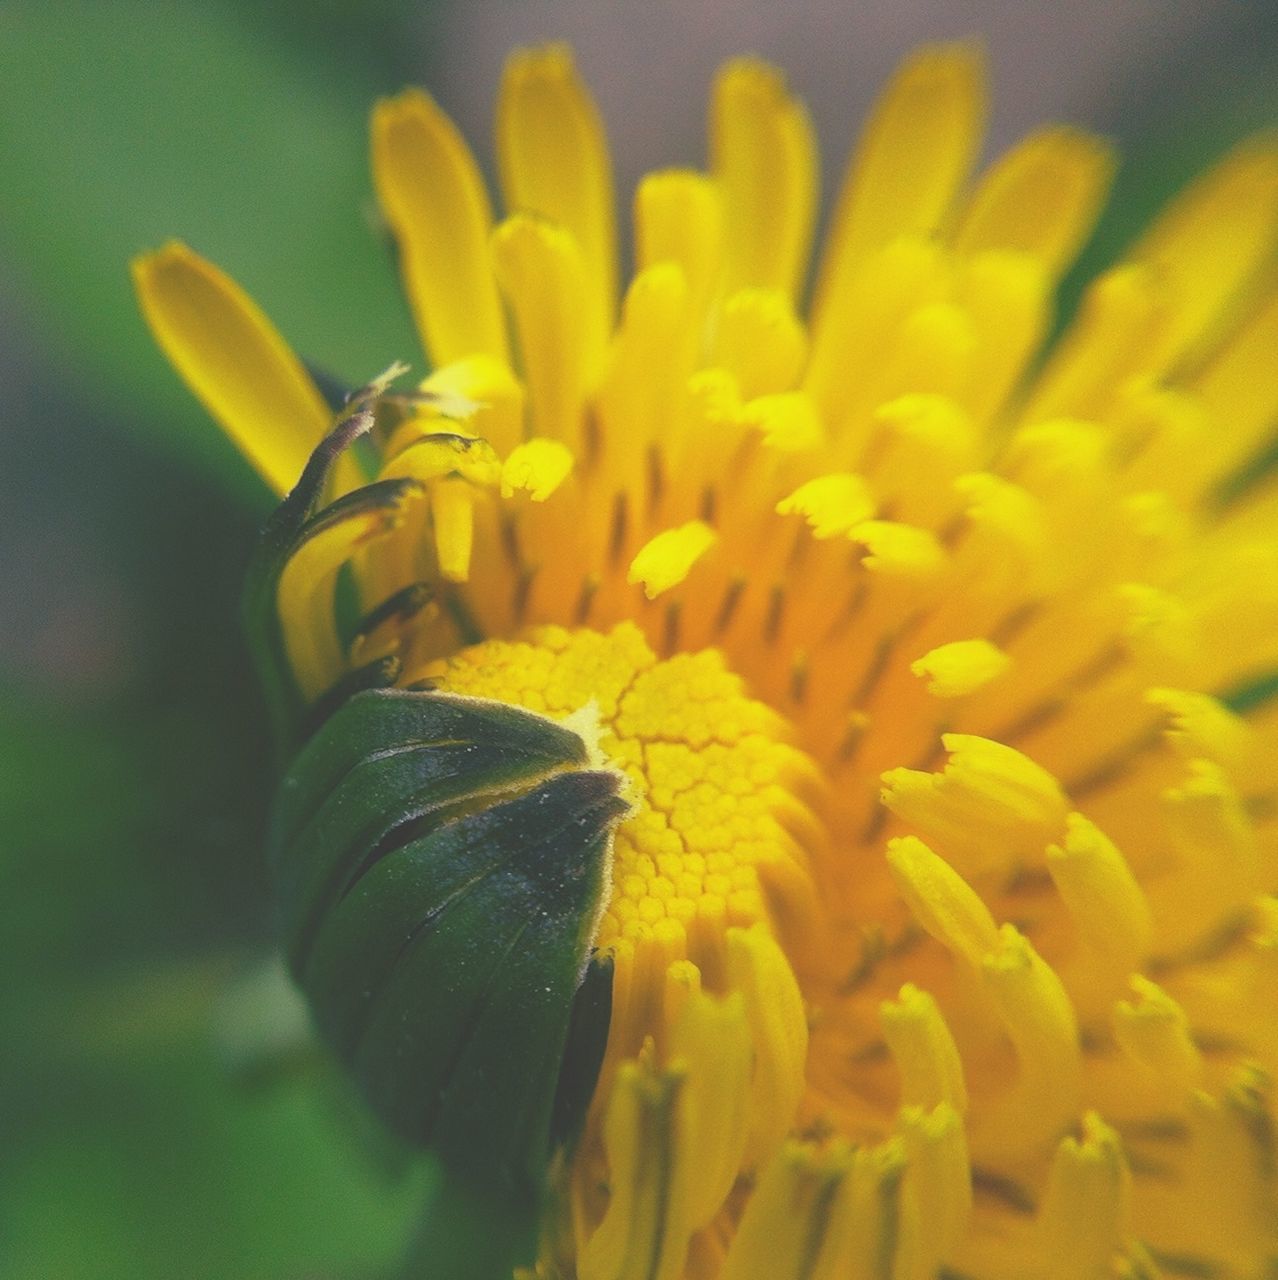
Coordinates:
(441, 864)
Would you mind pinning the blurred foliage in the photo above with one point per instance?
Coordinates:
(138, 120)
(155, 1125)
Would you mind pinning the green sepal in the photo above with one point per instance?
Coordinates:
(442, 863)
(381, 721)
(453, 750)
(583, 1052)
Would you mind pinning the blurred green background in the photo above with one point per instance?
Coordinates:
(160, 1112)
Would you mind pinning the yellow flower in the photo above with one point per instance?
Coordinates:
(936, 658)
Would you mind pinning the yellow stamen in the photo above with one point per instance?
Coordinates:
(667, 559)
(537, 466)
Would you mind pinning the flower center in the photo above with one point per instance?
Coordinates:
(719, 831)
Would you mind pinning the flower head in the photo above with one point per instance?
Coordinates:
(934, 656)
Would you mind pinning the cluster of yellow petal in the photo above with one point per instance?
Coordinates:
(1000, 614)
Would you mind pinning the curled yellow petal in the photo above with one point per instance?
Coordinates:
(1039, 1020)
(759, 970)
(306, 593)
(936, 1190)
(234, 360)
(1084, 1217)
(452, 509)
(944, 904)
(1153, 1030)
(484, 392)
(1107, 907)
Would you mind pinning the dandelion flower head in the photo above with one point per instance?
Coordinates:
(938, 656)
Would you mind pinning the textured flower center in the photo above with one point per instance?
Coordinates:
(714, 841)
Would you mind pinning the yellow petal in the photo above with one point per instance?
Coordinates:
(1202, 727)
(897, 550)
(1040, 198)
(990, 805)
(760, 341)
(936, 1190)
(632, 1243)
(921, 1043)
(1006, 298)
(942, 901)
(759, 970)
(1153, 1030)
(452, 508)
(819, 1215)
(913, 157)
(673, 1137)
(679, 218)
(1121, 319)
(925, 444)
(540, 270)
(433, 197)
(764, 158)
(787, 421)
(1083, 1218)
(553, 158)
(487, 396)
(234, 360)
(445, 453)
(1107, 907)
(1213, 239)
(1039, 1020)
(1238, 390)
(856, 333)
(711, 1040)
(1219, 1206)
